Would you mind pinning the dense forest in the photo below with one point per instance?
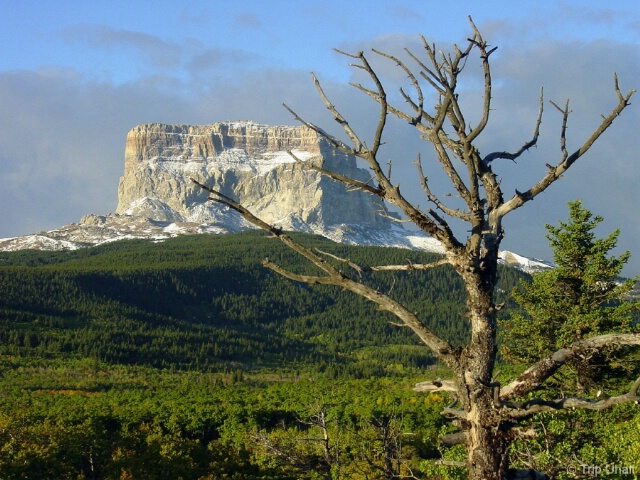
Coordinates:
(204, 303)
(186, 359)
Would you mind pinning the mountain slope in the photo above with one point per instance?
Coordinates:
(205, 301)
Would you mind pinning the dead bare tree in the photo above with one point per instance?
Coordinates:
(388, 434)
(487, 413)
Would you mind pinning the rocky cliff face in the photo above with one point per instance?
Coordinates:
(248, 162)
(244, 160)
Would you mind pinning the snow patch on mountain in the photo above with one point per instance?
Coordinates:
(529, 265)
(96, 230)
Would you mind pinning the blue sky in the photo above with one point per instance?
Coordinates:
(75, 76)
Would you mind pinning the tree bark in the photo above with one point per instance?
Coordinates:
(486, 443)
(487, 452)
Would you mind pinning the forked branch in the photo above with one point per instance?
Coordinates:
(334, 142)
(338, 116)
(531, 407)
(554, 172)
(531, 143)
(430, 222)
(424, 181)
(538, 373)
(485, 52)
(350, 182)
(409, 266)
(419, 106)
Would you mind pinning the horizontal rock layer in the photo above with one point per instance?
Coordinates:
(246, 161)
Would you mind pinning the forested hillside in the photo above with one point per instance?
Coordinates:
(204, 303)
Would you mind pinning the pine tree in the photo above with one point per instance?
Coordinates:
(581, 297)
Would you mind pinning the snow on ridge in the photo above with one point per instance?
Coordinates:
(174, 228)
(529, 265)
(251, 125)
(235, 158)
(153, 203)
(429, 244)
(38, 242)
(346, 234)
(271, 160)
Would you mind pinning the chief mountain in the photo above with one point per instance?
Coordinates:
(244, 160)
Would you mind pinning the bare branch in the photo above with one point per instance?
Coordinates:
(409, 266)
(432, 386)
(351, 182)
(337, 115)
(531, 407)
(513, 156)
(447, 166)
(563, 131)
(219, 197)
(441, 348)
(554, 173)
(433, 129)
(381, 99)
(435, 226)
(355, 266)
(296, 277)
(432, 77)
(425, 186)
(455, 413)
(538, 373)
(449, 107)
(334, 142)
(482, 45)
(419, 107)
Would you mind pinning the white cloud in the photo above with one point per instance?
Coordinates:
(150, 48)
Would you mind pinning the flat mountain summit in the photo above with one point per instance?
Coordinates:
(247, 161)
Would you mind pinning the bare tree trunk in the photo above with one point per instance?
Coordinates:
(487, 458)
(486, 442)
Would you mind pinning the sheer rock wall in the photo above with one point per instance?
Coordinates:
(247, 161)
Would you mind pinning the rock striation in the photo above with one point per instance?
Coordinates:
(244, 160)
(248, 162)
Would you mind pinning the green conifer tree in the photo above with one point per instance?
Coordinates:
(581, 297)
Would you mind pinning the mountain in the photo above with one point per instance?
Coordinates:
(529, 265)
(246, 161)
